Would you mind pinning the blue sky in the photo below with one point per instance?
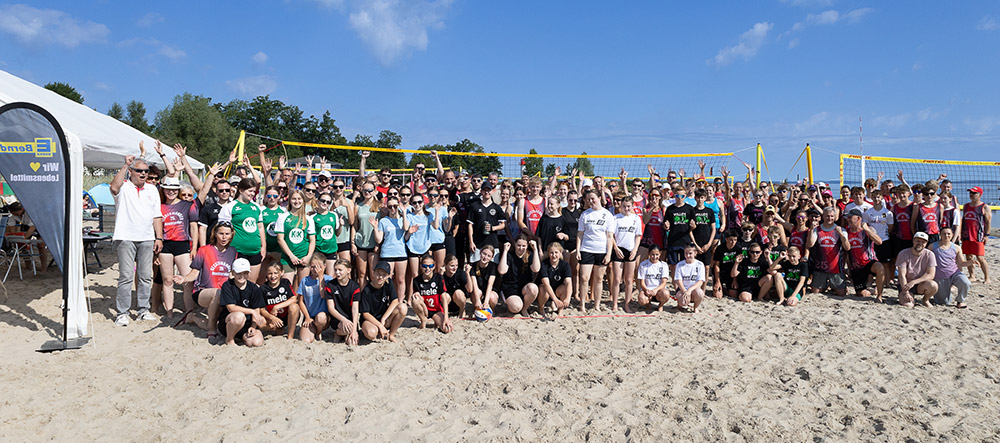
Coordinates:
(560, 77)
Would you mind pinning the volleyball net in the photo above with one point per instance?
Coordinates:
(962, 174)
(516, 166)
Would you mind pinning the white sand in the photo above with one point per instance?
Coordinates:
(833, 369)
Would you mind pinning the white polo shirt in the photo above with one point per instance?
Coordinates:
(135, 210)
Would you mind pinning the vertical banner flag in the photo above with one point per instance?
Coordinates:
(33, 159)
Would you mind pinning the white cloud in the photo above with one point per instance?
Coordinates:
(331, 4)
(828, 17)
(857, 14)
(102, 86)
(750, 43)
(793, 43)
(823, 18)
(171, 52)
(982, 125)
(259, 58)
(988, 23)
(916, 66)
(41, 27)
(149, 19)
(253, 86)
(394, 28)
(808, 3)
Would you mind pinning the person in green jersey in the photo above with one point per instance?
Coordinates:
(269, 215)
(297, 238)
(328, 227)
(248, 225)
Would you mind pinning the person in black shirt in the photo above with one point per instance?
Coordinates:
(555, 280)
(679, 221)
(724, 260)
(282, 306)
(753, 212)
(381, 311)
(458, 285)
(518, 274)
(484, 274)
(794, 273)
(430, 296)
(556, 225)
(343, 299)
(752, 275)
(485, 219)
(704, 227)
(242, 301)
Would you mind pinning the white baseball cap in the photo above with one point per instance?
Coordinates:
(921, 235)
(241, 265)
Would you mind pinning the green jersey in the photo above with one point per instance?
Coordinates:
(296, 235)
(326, 229)
(270, 218)
(246, 220)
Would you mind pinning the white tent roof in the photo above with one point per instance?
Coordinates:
(106, 141)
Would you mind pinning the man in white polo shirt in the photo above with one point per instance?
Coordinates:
(138, 236)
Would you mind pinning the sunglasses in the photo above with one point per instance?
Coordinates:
(430, 266)
(224, 224)
(755, 252)
(325, 201)
(223, 190)
(187, 195)
(309, 190)
(337, 186)
(433, 195)
(747, 229)
(405, 195)
(929, 193)
(367, 190)
(271, 196)
(140, 171)
(417, 202)
(282, 188)
(152, 178)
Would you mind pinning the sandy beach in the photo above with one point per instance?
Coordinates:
(831, 369)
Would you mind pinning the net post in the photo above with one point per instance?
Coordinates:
(809, 162)
(757, 178)
(239, 147)
(841, 170)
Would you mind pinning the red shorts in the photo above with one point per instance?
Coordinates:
(433, 303)
(970, 247)
(281, 313)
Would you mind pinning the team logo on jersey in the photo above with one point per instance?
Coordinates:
(857, 242)
(493, 211)
(270, 230)
(250, 225)
(326, 232)
(296, 236)
(827, 242)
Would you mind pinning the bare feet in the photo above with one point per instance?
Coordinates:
(392, 338)
(927, 303)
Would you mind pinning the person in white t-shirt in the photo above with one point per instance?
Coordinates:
(653, 278)
(594, 243)
(880, 217)
(857, 201)
(137, 238)
(689, 280)
(628, 232)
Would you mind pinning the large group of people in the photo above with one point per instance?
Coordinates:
(276, 251)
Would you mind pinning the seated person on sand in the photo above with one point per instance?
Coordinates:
(241, 301)
(861, 258)
(517, 271)
(916, 267)
(949, 261)
(723, 263)
(555, 281)
(282, 306)
(653, 280)
(829, 240)
(381, 311)
(312, 304)
(484, 275)
(790, 275)
(458, 284)
(430, 297)
(689, 280)
(26, 228)
(210, 268)
(753, 275)
(343, 302)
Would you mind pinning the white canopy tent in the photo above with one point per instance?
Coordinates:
(105, 140)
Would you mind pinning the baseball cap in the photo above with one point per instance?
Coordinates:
(586, 182)
(827, 192)
(922, 235)
(770, 208)
(241, 265)
(170, 183)
(383, 265)
(975, 189)
(855, 212)
(812, 187)
(234, 179)
(486, 186)
(325, 174)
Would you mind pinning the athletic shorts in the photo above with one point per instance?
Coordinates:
(705, 258)
(510, 290)
(174, 247)
(589, 258)
(454, 309)
(884, 252)
(194, 295)
(437, 246)
(933, 238)
(392, 259)
(345, 246)
(675, 254)
(239, 334)
(625, 254)
(366, 249)
(976, 248)
(254, 259)
(412, 254)
(859, 277)
(821, 280)
(291, 268)
(752, 287)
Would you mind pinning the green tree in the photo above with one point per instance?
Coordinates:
(193, 121)
(277, 120)
(117, 112)
(550, 169)
(583, 164)
(381, 159)
(65, 90)
(533, 165)
(137, 116)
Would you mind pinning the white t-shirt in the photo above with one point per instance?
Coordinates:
(879, 219)
(689, 273)
(135, 211)
(595, 226)
(851, 205)
(653, 273)
(627, 226)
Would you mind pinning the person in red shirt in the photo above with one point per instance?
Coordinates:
(862, 260)
(828, 239)
(976, 217)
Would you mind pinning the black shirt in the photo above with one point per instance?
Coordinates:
(482, 275)
(209, 216)
(456, 282)
(518, 270)
(434, 286)
(463, 204)
(680, 219)
(343, 296)
(794, 272)
(479, 216)
(726, 258)
(548, 227)
(376, 301)
(753, 213)
(273, 296)
(774, 252)
(751, 273)
(250, 296)
(703, 220)
(557, 275)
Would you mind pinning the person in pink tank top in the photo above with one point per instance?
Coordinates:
(531, 208)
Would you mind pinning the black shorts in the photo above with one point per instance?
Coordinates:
(511, 290)
(239, 334)
(345, 246)
(884, 252)
(705, 258)
(194, 295)
(625, 255)
(174, 247)
(752, 287)
(675, 254)
(859, 277)
(392, 259)
(366, 249)
(589, 258)
(157, 276)
(454, 309)
(437, 247)
(253, 259)
(412, 254)
(933, 238)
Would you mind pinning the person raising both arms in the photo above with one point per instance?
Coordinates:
(178, 218)
(517, 272)
(363, 246)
